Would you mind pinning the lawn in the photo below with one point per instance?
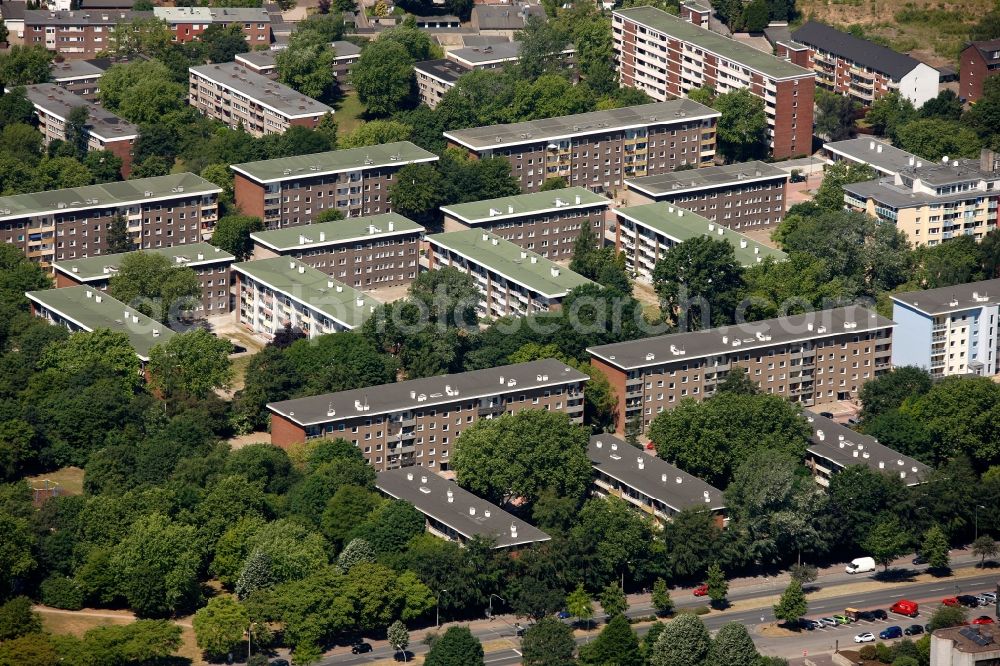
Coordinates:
(70, 479)
(347, 112)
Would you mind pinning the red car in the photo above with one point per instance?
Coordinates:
(701, 590)
(950, 601)
(983, 619)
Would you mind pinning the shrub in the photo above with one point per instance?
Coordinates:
(868, 653)
(883, 653)
(62, 592)
(701, 610)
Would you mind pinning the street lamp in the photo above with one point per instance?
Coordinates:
(491, 604)
(978, 507)
(437, 606)
(627, 563)
(249, 636)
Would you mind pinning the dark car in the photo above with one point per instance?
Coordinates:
(890, 632)
(361, 648)
(919, 559)
(809, 624)
(968, 600)
(867, 616)
(519, 630)
(914, 630)
(879, 614)
(280, 662)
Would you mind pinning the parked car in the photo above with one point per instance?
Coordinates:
(866, 637)
(950, 601)
(842, 619)
(810, 624)
(983, 619)
(519, 630)
(361, 648)
(890, 632)
(914, 630)
(827, 622)
(564, 615)
(280, 662)
(991, 597)
(880, 614)
(905, 607)
(968, 600)
(867, 616)
(983, 600)
(919, 559)
(701, 590)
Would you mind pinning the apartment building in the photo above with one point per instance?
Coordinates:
(80, 77)
(345, 55)
(600, 149)
(264, 63)
(366, 252)
(417, 422)
(833, 447)
(72, 223)
(556, 217)
(282, 291)
(885, 159)
(934, 202)
(75, 33)
(512, 281)
(503, 20)
(435, 78)
(666, 56)
(949, 331)
(291, 191)
(648, 483)
(645, 233)
(858, 68)
(240, 97)
(105, 130)
(496, 56)
(85, 309)
(259, 62)
(210, 264)
(188, 23)
(454, 513)
(978, 62)
(813, 358)
(751, 193)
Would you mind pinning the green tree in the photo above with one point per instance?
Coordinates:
(886, 541)
(935, 547)
(835, 120)
(888, 391)
(153, 285)
(792, 606)
(946, 106)
(219, 626)
(985, 546)
(557, 183)
(455, 647)
(449, 296)
(755, 16)
(35, 649)
(831, 192)
(255, 575)
(119, 239)
(191, 364)
(683, 642)
(99, 348)
(77, 134)
(579, 604)
(147, 36)
(733, 646)
(224, 42)
(718, 587)
(613, 600)
(375, 132)
(662, 602)
(933, 138)
(18, 619)
(803, 573)
(398, 637)
(232, 234)
(356, 552)
(947, 616)
(889, 112)
(742, 128)
(417, 192)
(307, 66)
(25, 65)
(548, 642)
(383, 77)
(616, 644)
(699, 283)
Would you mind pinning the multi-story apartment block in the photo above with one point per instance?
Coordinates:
(505, 20)
(512, 281)
(666, 56)
(454, 513)
(751, 194)
(885, 159)
(105, 130)
(978, 62)
(811, 358)
(934, 202)
(368, 252)
(417, 422)
(210, 264)
(291, 191)
(188, 23)
(556, 217)
(345, 54)
(649, 483)
(834, 447)
(85, 309)
(435, 78)
(60, 225)
(495, 56)
(259, 62)
(278, 292)
(75, 34)
(80, 77)
(860, 69)
(645, 233)
(600, 149)
(240, 97)
(951, 330)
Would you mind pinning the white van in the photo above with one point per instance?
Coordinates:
(860, 565)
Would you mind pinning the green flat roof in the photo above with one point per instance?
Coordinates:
(731, 49)
(312, 288)
(525, 267)
(525, 204)
(334, 161)
(680, 225)
(106, 265)
(107, 194)
(98, 310)
(338, 231)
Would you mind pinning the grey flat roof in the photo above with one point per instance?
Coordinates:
(59, 102)
(520, 205)
(885, 191)
(749, 336)
(478, 55)
(582, 124)
(212, 14)
(869, 54)
(259, 59)
(104, 266)
(334, 161)
(445, 71)
(445, 502)
(845, 447)
(69, 70)
(746, 55)
(889, 159)
(954, 172)
(504, 17)
(345, 49)
(656, 479)
(336, 233)
(480, 40)
(83, 17)
(427, 392)
(951, 299)
(678, 182)
(266, 92)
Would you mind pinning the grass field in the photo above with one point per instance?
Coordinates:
(70, 479)
(348, 112)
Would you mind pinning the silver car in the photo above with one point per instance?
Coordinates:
(827, 622)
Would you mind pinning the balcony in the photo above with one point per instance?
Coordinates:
(493, 410)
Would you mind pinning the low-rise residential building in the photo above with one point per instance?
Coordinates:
(274, 293)
(950, 330)
(290, 191)
(932, 203)
(512, 281)
(366, 252)
(645, 233)
(862, 70)
(885, 159)
(12, 12)
(435, 78)
(105, 130)
(345, 55)
(240, 97)
(505, 20)
(600, 149)
(75, 33)
(85, 309)
(647, 482)
(60, 225)
(454, 513)
(260, 62)
(188, 23)
(745, 195)
(495, 56)
(417, 422)
(667, 56)
(834, 447)
(80, 77)
(978, 62)
(966, 645)
(812, 358)
(209, 262)
(556, 217)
